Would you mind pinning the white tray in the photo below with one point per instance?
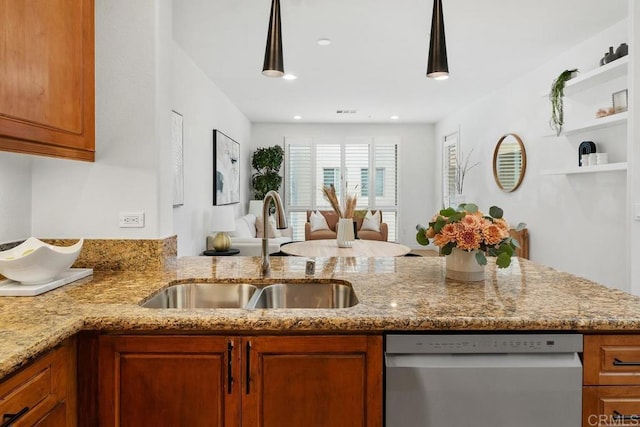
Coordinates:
(10, 288)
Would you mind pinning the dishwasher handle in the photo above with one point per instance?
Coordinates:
(482, 360)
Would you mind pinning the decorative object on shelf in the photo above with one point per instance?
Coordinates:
(622, 50)
(273, 62)
(602, 158)
(585, 147)
(222, 221)
(177, 157)
(509, 162)
(34, 262)
(468, 229)
(604, 112)
(226, 169)
(556, 96)
(620, 101)
(610, 56)
(437, 65)
(267, 162)
(584, 160)
(345, 234)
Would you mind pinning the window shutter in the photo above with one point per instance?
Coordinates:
(449, 168)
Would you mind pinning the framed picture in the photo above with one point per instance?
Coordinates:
(177, 158)
(620, 101)
(226, 169)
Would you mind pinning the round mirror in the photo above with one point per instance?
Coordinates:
(509, 162)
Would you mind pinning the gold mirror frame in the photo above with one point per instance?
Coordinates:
(523, 168)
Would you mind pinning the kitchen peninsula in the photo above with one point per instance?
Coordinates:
(394, 294)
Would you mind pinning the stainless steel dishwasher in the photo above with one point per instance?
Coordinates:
(484, 380)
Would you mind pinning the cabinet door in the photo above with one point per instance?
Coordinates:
(168, 381)
(47, 77)
(323, 381)
(610, 406)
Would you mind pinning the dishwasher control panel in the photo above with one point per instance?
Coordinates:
(483, 343)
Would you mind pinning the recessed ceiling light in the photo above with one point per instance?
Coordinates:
(324, 42)
(297, 117)
(394, 117)
(289, 76)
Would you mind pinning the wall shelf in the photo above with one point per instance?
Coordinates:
(605, 73)
(609, 167)
(595, 124)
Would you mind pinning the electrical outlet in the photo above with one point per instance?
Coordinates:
(131, 219)
(637, 216)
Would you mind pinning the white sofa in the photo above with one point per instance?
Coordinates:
(247, 237)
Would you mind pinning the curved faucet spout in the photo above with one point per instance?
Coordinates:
(281, 222)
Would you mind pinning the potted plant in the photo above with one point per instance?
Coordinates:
(267, 163)
(556, 96)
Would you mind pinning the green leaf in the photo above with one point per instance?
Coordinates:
(457, 217)
(496, 212)
(421, 238)
(521, 226)
(471, 208)
(503, 260)
(447, 212)
(514, 243)
(446, 249)
(482, 260)
(440, 222)
(493, 252)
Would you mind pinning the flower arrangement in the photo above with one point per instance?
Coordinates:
(468, 229)
(329, 193)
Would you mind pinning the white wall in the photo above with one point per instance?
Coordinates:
(204, 108)
(633, 149)
(576, 223)
(416, 179)
(15, 197)
(133, 69)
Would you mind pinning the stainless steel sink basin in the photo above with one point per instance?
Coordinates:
(203, 295)
(306, 295)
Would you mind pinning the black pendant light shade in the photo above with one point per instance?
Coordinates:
(437, 66)
(273, 64)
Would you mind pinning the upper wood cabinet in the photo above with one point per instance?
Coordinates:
(47, 78)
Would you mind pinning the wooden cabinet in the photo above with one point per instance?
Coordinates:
(47, 78)
(43, 393)
(231, 381)
(611, 393)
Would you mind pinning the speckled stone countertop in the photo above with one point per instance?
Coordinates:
(395, 294)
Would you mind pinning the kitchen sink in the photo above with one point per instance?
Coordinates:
(203, 295)
(252, 296)
(306, 295)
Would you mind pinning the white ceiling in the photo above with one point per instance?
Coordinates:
(377, 61)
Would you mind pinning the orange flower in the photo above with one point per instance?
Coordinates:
(430, 233)
(492, 234)
(468, 239)
(472, 221)
(503, 225)
(449, 231)
(440, 240)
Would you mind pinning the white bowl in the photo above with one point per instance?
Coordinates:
(34, 262)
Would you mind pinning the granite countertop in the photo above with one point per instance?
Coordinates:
(395, 294)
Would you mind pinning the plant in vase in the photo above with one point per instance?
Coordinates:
(345, 231)
(468, 229)
(556, 96)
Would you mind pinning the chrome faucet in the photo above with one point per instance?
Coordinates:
(281, 223)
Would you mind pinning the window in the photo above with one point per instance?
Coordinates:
(345, 163)
(379, 182)
(449, 169)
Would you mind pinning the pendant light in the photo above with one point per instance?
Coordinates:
(437, 66)
(273, 64)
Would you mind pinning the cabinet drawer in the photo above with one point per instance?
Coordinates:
(611, 360)
(611, 406)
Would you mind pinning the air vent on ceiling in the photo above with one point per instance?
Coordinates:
(346, 111)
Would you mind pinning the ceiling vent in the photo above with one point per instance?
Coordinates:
(346, 111)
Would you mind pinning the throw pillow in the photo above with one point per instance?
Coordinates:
(318, 222)
(271, 228)
(242, 229)
(371, 221)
